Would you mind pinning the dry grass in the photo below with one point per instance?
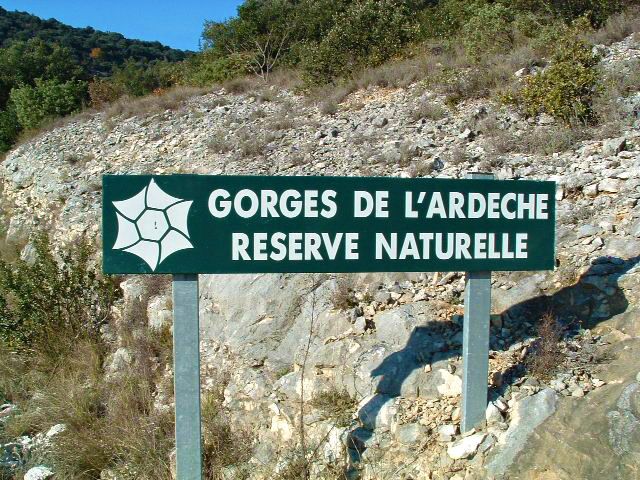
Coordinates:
(456, 156)
(111, 422)
(52, 124)
(546, 355)
(617, 27)
(336, 405)
(421, 169)
(328, 107)
(252, 144)
(618, 84)
(172, 99)
(106, 422)
(428, 111)
(246, 142)
(284, 118)
(222, 446)
(343, 295)
(540, 140)
(283, 79)
(220, 143)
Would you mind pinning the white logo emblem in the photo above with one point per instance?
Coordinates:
(152, 225)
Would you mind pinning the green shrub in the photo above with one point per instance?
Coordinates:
(43, 299)
(567, 88)
(208, 68)
(22, 62)
(447, 17)
(48, 98)
(488, 31)
(134, 79)
(596, 10)
(366, 34)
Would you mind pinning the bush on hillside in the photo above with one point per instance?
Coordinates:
(45, 299)
(134, 79)
(22, 62)
(103, 92)
(566, 89)
(446, 18)
(47, 99)
(209, 68)
(368, 33)
(596, 10)
(488, 31)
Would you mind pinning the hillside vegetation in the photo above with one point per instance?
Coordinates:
(60, 70)
(47, 68)
(98, 52)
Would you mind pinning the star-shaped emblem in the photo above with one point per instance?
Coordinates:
(152, 225)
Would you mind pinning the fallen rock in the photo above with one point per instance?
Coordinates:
(380, 122)
(410, 433)
(377, 411)
(609, 185)
(465, 447)
(451, 386)
(613, 146)
(493, 414)
(447, 432)
(577, 392)
(38, 473)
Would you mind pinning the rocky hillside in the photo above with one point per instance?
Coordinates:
(374, 360)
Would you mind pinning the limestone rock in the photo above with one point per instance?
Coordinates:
(527, 414)
(38, 473)
(613, 146)
(609, 185)
(465, 447)
(410, 433)
(452, 384)
(493, 414)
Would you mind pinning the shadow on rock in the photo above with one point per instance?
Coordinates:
(594, 298)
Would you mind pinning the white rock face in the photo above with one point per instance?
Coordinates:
(466, 446)
(527, 414)
(377, 411)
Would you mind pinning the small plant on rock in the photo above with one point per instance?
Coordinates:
(343, 295)
(335, 404)
(546, 354)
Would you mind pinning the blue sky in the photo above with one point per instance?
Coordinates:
(174, 23)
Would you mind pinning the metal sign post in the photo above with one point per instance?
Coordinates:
(186, 360)
(475, 348)
(475, 343)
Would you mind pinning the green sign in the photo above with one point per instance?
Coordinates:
(251, 224)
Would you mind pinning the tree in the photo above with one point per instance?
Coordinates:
(96, 53)
(260, 33)
(22, 62)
